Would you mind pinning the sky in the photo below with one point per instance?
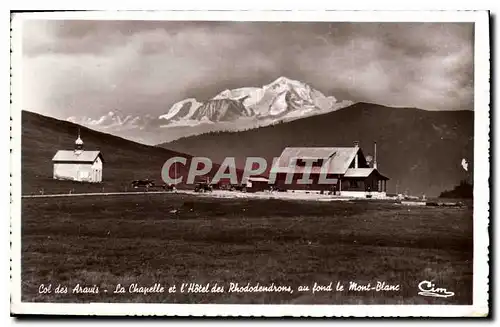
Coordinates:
(82, 67)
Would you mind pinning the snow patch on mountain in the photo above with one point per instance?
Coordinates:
(278, 105)
(184, 109)
(249, 96)
(114, 121)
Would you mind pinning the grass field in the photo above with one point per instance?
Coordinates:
(173, 239)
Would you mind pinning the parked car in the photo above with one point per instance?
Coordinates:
(203, 187)
(276, 188)
(238, 187)
(169, 187)
(146, 183)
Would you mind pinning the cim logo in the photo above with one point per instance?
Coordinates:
(428, 288)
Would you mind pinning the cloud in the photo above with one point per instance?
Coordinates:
(138, 67)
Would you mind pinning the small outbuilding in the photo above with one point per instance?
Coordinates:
(78, 164)
(257, 184)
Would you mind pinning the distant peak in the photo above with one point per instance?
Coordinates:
(282, 79)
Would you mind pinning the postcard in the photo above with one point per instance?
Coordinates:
(250, 163)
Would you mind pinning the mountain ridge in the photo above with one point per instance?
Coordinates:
(235, 109)
(266, 102)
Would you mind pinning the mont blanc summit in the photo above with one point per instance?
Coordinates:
(281, 99)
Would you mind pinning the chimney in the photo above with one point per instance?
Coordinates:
(356, 145)
(375, 155)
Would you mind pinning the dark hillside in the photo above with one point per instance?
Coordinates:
(124, 161)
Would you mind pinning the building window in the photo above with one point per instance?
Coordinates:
(318, 163)
(302, 162)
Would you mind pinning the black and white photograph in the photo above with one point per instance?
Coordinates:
(265, 164)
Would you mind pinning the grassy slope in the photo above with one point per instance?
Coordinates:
(111, 240)
(419, 150)
(125, 160)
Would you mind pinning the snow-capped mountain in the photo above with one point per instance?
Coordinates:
(285, 95)
(184, 109)
(115, 121)
(282, 100)
(249, 96)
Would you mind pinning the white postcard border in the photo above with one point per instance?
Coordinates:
(481, 171)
